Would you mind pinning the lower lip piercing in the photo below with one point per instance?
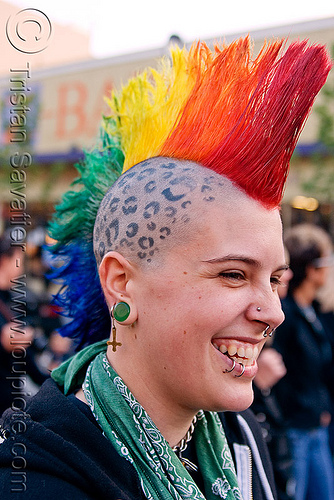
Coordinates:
(242, 371)
(233, 366)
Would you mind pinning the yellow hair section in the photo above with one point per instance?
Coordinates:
(146, 110)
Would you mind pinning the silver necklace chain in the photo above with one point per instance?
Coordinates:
(182, 446)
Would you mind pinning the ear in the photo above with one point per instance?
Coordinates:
(116, 277)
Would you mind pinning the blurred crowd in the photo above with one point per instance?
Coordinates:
(30, 346)
(294, 387)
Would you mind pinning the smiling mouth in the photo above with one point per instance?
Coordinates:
(243, 355)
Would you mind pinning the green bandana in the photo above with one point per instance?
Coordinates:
(134, 435)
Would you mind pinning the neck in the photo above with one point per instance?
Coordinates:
(173, 422)
(173, 431)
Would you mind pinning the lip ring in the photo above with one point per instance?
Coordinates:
(242, 371)
(233, 366)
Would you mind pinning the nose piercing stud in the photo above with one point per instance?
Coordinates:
(258, 308)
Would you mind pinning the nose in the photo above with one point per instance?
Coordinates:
(267, 310)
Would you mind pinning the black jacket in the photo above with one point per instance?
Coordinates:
(54, 449)
(304, 392)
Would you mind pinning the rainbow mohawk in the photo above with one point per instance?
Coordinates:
(237, 116)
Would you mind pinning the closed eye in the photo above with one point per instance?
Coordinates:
(275, 282)
(232, 275)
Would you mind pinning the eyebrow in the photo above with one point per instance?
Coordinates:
(242, 258)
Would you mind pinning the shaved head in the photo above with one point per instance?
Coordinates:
(157, 204)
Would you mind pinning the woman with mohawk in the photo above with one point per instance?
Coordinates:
(180, 204)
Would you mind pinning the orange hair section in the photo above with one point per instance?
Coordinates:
(226, 80)
(243, 117)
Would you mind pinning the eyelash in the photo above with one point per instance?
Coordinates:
(232, 275)
(275, 281)
(236, 276)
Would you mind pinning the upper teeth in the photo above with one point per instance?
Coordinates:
(245, 355)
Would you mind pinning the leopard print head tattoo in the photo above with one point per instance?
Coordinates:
(151, 206)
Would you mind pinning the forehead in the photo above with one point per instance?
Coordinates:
(246, 229)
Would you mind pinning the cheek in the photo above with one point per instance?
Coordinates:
(166, 295)
(203, 312)
(321, 277)
(326, 273)
(183, 311)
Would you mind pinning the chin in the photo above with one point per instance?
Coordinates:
(239, 402)
(244, 401)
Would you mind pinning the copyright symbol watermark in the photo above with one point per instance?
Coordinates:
(29, 31)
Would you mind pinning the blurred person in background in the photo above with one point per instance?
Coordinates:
(271, 369)
(43, 314)
(325, 298)
(17, 356)
(58, 349)
(304, 342)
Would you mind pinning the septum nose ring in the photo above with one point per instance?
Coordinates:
(265, 333)
(271, 333)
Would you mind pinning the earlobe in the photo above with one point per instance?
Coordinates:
(116, 275)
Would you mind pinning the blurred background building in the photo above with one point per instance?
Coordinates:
(59, 116)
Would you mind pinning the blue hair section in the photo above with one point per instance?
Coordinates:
(73, 266)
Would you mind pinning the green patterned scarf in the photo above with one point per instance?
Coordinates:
(136, 438)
